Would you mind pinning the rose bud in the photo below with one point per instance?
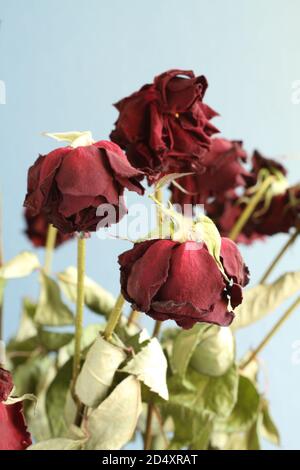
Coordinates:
(13, 429)
(187, 281)
(224, 171)
(37, 229)
(69, 184)
(215, 353)
(165, 125)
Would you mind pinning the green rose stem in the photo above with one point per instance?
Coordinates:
(249, 209)
(132, 316)
(283, 250)
(148, 434)
(271, 333)
(151, 408)
(114, 317)
(79, 309)
(49, 248)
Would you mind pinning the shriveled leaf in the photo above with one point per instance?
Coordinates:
(267, 427)
(150, 367)
(56, 400)
(20, 266)
(97, 373)
(27, 328)
(191, 429)
(36, 415)
(246, 410)
(169, 178)
(58, 444)
(217, 395)
(252, 438)
(53, 341)
(185, 345)
(195, 402)
(28, 375)
(112, 424)
(96, 298)
(51, 310)
(89, 335)
(263, 299)
(11, 400)
(210, 235)
(74, 138)
(215, 352)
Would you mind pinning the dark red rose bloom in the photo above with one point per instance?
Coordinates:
(224, 170)
(259, 162)
(13, 429)
(280, 216)
(165, 126)
(70, 183)
(181, 281)
(37, 229)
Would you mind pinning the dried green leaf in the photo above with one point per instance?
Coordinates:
(169, 178)
(185, 345)
(246, 409)
(20, 266)
(150, 367)
(51, 310)
(267, 427)
(27, 328)
(56, 399)
(96, 298)
(74, 138)
(98, 370)
(112, 424)
(263, 299)
(53, 341)
(215, 352)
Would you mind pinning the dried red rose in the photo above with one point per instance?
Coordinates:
(278, 211)
(13, 429)
(37, 229)
(70, 183)
(282, 214)
(165, 125)
(223, 171)
(181, 281)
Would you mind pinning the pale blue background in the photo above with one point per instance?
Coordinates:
(65, 61)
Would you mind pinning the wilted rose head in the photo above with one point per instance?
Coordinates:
(13, 429)
(68, 185)
(165, 125)
(37, 229)
(223, 170)
(182, 281)
(277, 212)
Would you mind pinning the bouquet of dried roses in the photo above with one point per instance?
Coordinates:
(179, 386)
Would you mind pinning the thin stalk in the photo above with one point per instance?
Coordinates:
(151, 408)
(49, 248)
(133, 316)
(79, 307)
(272, 332)
(278, 257)
(114, 317)
(249, 209)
